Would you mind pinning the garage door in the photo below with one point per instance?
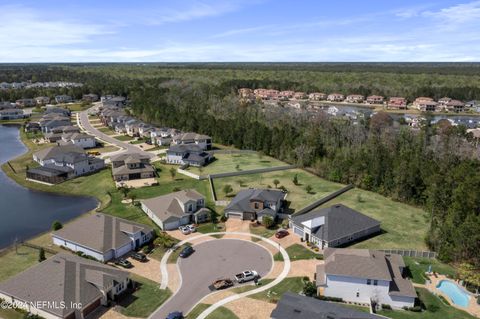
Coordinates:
(172, 225)
(236, 215)
(298, 231)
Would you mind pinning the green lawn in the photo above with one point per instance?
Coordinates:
(418, 267)
(438, 310)
(225, 163)
(220, 313)
(293, 284)
(10, 314)
(75, 107)
(403, 226)
(106, 130)
(172, 259)
(145, 300)
(297, 195)
(298, 252)
(123, 138)
(261, 230)
(211, 228)
(12, 263)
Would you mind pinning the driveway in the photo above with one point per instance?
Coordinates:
(212, 260)
(131, 148)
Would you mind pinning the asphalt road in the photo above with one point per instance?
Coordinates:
(213, 260)
(93, 131)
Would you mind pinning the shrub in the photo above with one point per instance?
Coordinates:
(223, 218)
(267, 221)
(415, 309)
(334, 299)
(41, 255)
(295, 179)
(285, 223)
(433, 308)
(56, 225)
(309, 288)
(308, 188)
(386, 306)
(147, 249)
(176, 189)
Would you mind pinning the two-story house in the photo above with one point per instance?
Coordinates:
(251, 204)
(187, 154)
(203, 141)
(176, 209)
(354, 98)
(79, 139)
(375, 99)
(130, 166)
(363, 276)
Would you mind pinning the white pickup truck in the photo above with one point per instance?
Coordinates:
(245, 276)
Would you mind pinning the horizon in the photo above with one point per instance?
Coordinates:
(253, 31)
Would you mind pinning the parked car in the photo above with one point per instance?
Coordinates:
(192, 228)
(222, 283)
(175, 315)
(124, 263)
(281, 233)
(245, 276)
(187, 251)
(185, 230)
(140, 257)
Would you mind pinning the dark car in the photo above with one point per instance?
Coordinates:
(140, 257)
(175, 315)
(187, 251)
(124, 263)
(281, 233)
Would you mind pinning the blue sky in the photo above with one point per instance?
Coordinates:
(239, 30)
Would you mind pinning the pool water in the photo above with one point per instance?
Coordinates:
(457, 295)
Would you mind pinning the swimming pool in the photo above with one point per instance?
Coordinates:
(457, 295)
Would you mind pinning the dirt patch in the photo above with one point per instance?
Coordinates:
(302, 268)
(149, 269)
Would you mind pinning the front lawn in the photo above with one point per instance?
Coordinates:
(297, 195)
(418, 267)
(435, 309)
(145, 300)
(13, 262)
(123, 138)
(293, 284)
(219, 313)
(236, 162)
(403, 226)
(298, 252)
(261, 230)
(106, 130)
(211, 228)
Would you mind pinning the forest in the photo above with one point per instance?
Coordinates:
(436, 168)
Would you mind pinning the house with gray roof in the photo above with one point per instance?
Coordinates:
(365, 276)
(63, 98)
(334, 226)
(80, 139)
(203, 141)
(187, 154)
(11, 114)
(102, 237)
(176, 209)
(130, 166)
(295, 306)
(65, 286)
(251, 204)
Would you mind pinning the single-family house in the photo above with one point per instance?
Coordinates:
(444, 100)
(334, 226)
(25, 102)
(354, 98)
(130, 166)
(335, 97)
(176, 209)
(7, 105)
(103, 237)
(375, 99)
(420, 101)
(131, 126)
(455, 106)
(42, 100)
(91, 97)
(11, 114)
(79, 139)
(57, 110)
(187, 154)
(49, 124)
(32, 127)
(63, 98)
(300, 95)
(398, 103)
(365, 276)
(203, 141)
(109, 100)
(317, 96)
(251, 204)
(295, 306)
(65, 286)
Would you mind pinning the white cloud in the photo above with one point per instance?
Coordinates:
(461, 13)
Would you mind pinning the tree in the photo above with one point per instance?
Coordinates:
(276, 182)
(173, 172)
(268, 221)
(124, 190)
(213, 217)
(56, 225)
(295, 179)
(227, 189)
(41, 255)
(308, 188)
(132, 198)
(309, 288)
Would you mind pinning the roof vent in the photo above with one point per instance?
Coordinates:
(337, 206)
(56, 261)
(297, 310)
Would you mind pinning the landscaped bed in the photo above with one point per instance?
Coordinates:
(236, 162)
(297, 194)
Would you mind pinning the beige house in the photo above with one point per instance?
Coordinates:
(131, 166)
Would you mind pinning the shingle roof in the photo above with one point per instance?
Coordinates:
(100, 232)
(241, 202)
(340, 221)
(170, 206)
(65, 153)
(63, 278)
(190, 136)
(294, 306)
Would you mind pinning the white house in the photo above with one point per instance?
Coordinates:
(203, 141)
(363, 276)
(176, 209)
(79, 139)
(102, 237)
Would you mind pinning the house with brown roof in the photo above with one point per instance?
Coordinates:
(375, 99)
(398, 103)
(425, 104)
(131, 166)
(364, 276)
(176, 209)
(455, 106)
(103, 237)
(354, 98)
(65, 286)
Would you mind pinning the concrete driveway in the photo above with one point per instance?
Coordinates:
(131, 148)
(212, 260)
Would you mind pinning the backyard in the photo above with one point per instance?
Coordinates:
(418, 267)
(297, 194)
(12, 262)
(236, 162)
